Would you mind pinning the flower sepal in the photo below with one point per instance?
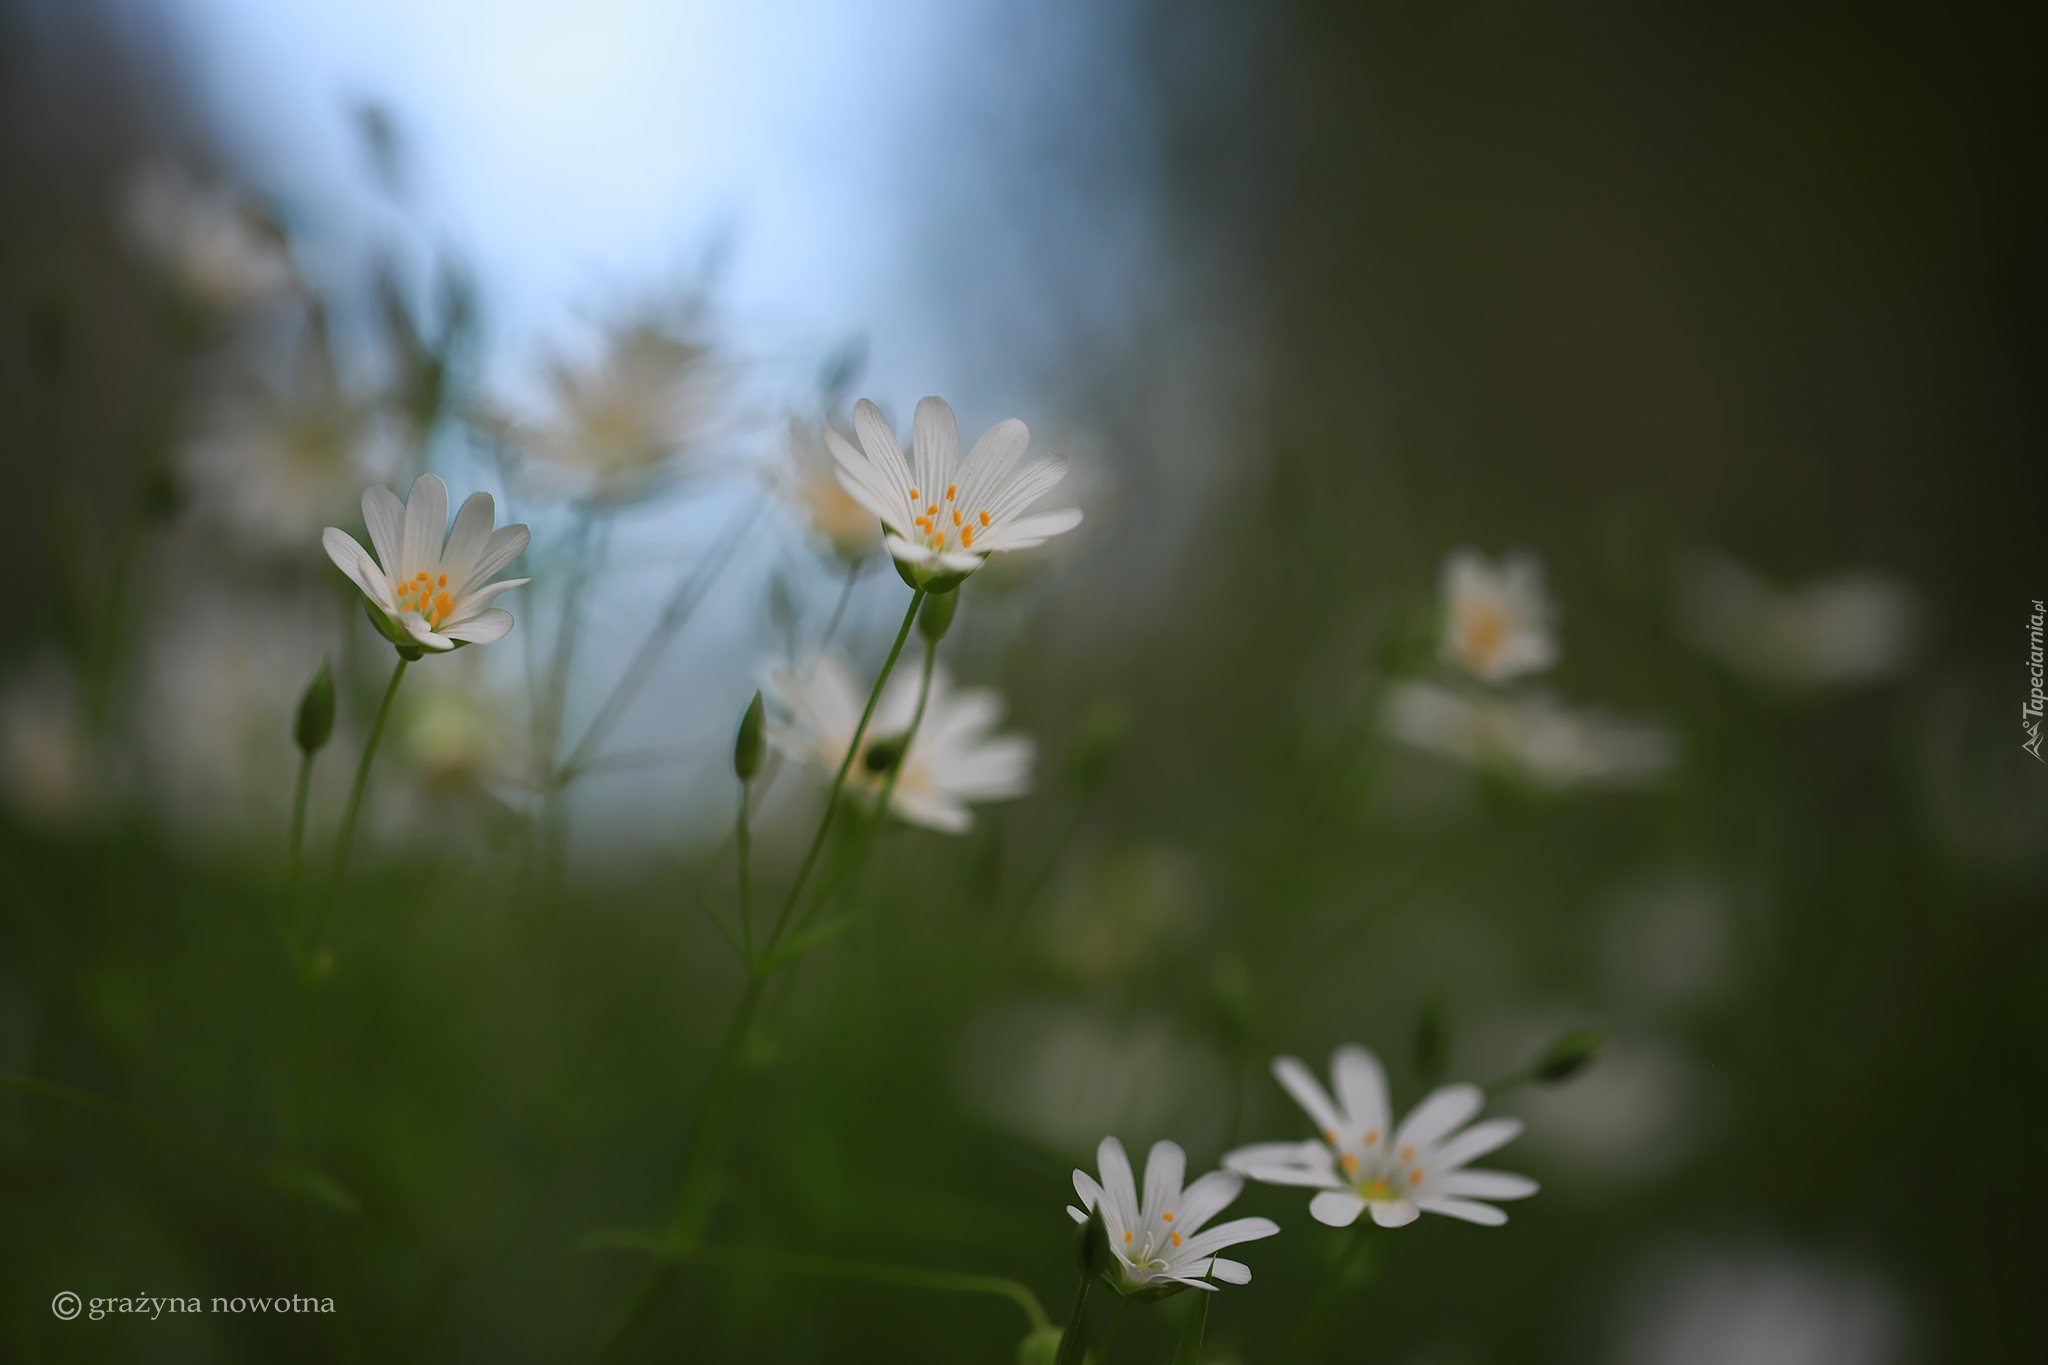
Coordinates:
(409, 649)
(929, 580)
(1138, 1291)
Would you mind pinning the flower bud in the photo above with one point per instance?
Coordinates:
(315, 721)
(1091, 1245)
(937, 616)
(1569, 1054)
(746, 748)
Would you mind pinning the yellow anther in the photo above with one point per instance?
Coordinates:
(442, 603)
(913, 495)
(1349, 1163)
(1377, 1190)
(1415, 1177)
(1127, 1238)
(444, 580)
(1407, 1154)
(932, 511)
(956, 516)
(1175, 1236)
(966, 537)
(1330, 1136)
(951, 489)
(1167, 1216)
(984, 518)
(1372, 1137)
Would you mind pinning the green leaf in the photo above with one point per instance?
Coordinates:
(725, 930)
(1189, 1351)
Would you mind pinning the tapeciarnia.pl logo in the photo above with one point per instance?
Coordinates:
(2030, 713)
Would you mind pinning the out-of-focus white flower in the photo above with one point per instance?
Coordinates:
(1759, 1308)
(944, 517)
(1641, 1111)
(277, 467)
(1534, 737)
(620, 420)
(952, 760)
(457, 732)
(46, 764)
(1497, 620)
(808, 480)
(1363, 1161)
(208, 240)
(1159, 1241)
(433, 592)
(1850, 628)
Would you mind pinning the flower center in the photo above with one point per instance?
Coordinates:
(1380, 1177)
(881, 753)
(1151, 1253)
(944, 524)
(1486, 632)
(426, 594)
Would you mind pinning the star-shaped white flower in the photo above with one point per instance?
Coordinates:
(1160, 1242)
(945, 516)
(432, 591)
(1363, 1161)
(953, 759)
(1497, 621)
(1534, 736)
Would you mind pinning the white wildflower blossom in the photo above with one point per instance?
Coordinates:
(1364, 1161)
(1159, 1241)
(207, 239)
(1497, 619)
(620, 420)
(952, 760)
(428, 580)
(944, 516)
(807, 479)
(1534, 737)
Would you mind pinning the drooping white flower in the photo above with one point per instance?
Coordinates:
(807, 477)
(952, 760)
(945, 516)
(1849, 628)
(429, 580)
(1497, 620)
(1159, 1241)
(207, 239)
(1534, 737)
(1364, 1161)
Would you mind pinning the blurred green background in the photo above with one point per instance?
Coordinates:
(1676, 299)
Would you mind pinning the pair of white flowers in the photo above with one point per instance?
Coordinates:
(1362, 1161)
(1499, 625)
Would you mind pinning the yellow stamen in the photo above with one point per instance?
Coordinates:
(1349, 1163)
(1407, 1154)
(951, 489)
(1175, 1236)
(966, 537)
(444, 580)
(1377, 1190)
(956, 516)
(932, 511)
(1415, 1177)
(984, 518)
(1167, 1216)
(1372, 1137)
(913, 495)
(1127, 1238)
(1330, 1136)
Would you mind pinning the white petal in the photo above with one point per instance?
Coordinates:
(1026, 532)
(1117, 1181)
(1361, 1088)
(1230, 1272)
(506, 544)
(931, 812)
(425, 637)
(1467, 1210)
(1308, 1092)
(1076, 1214)
(426, 525)
(934, 448)
(1000, 447)
(1441, 1110)
(1228, 1235)
(1476, 1142)
(1026, 486)
(384, 515)
(1089, 1192)
(1336, 1208)
(879, 441)
(909, 552)
(481, 630)
(888, 511)
(1486, 1185)
(1397, 1214)
(1286, 1163)
(473, 605)
(1205, 1199)
(467, 540)
(1165, 1167)
(353, 560)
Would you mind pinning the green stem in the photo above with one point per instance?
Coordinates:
(295, 849)
(839, 610)
(1190, 1350)
(746, 880)
(1074, 1341)
(810, 861)
(1116, 1324)
(225, 1158)
(859, 855)
(350, 814)
(1354, 1267)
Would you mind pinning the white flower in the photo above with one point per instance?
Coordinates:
(944, 517)
(208, 239)
(434, 593)
(1363, 1161)
(46, 752)
(1160, 1242)
(807, 480)
(952, 760)
(1535, 737)
(1497, 621)
(1851, 628)
(621, 419)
